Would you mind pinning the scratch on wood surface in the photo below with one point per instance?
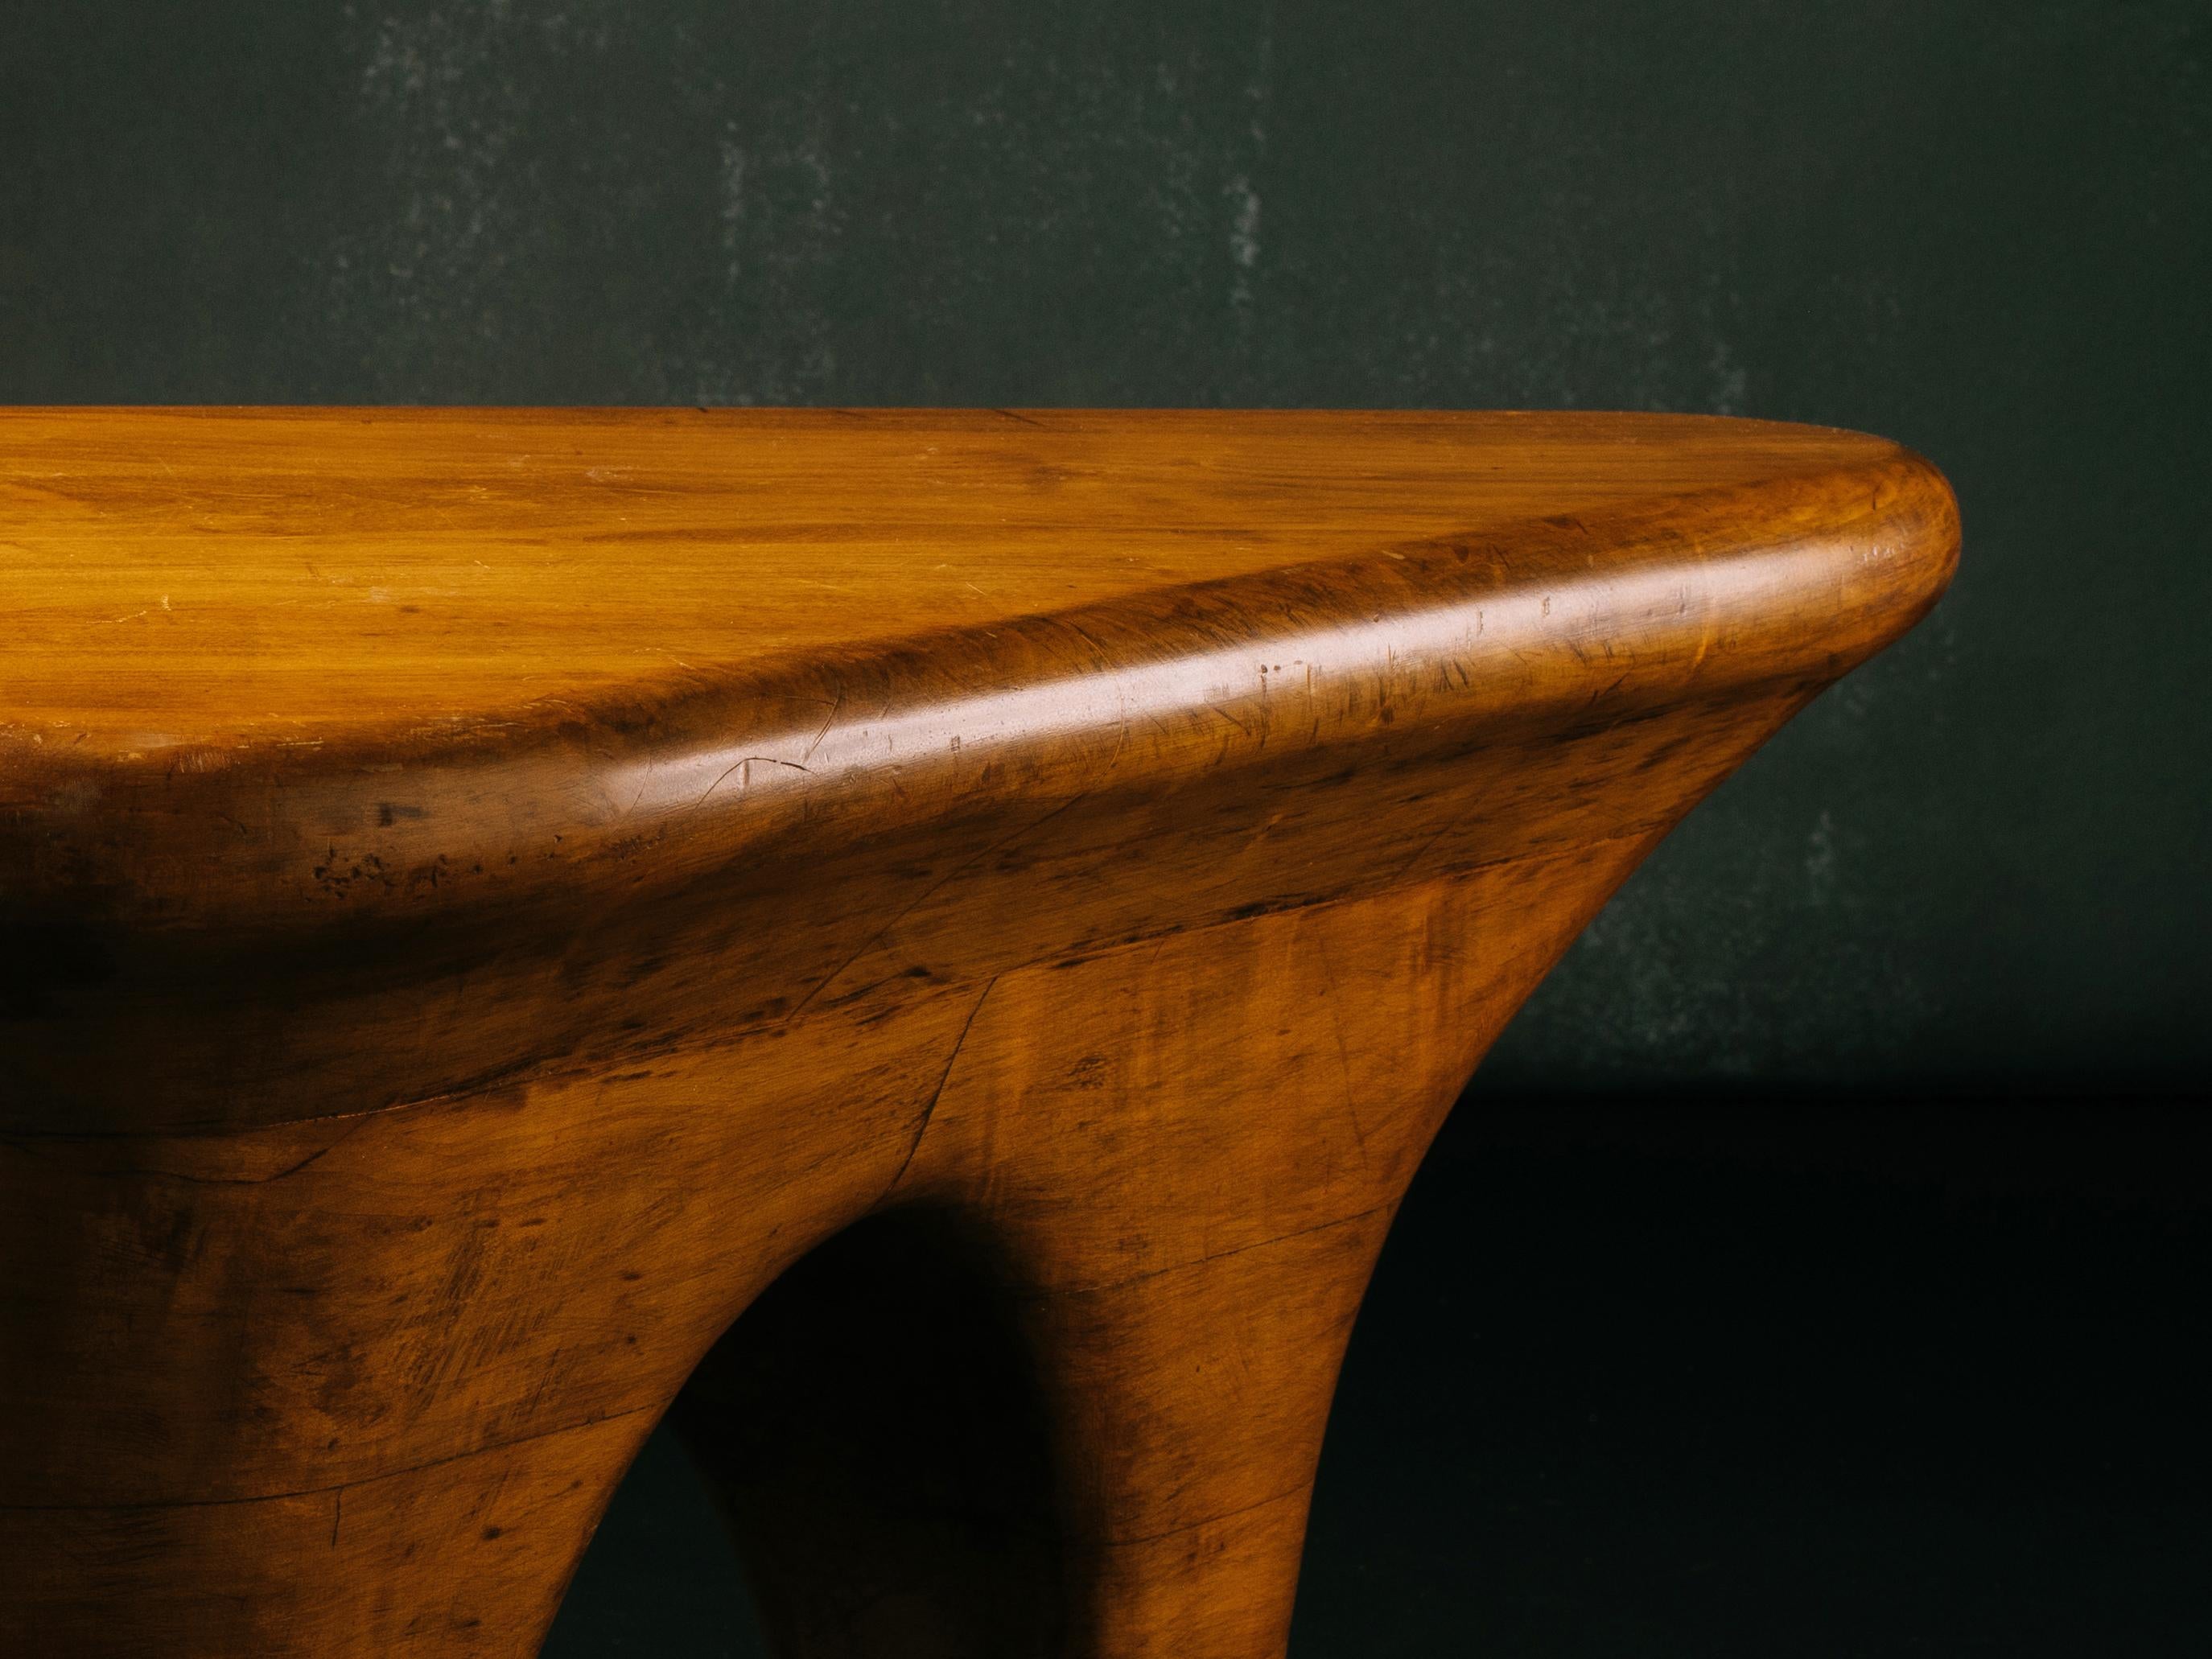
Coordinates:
(1216, 708)
(1183, 1527)
(1331, 1001)
(928, 893)
(828, 720)
(929, 1111)
(290, 1170)
(150, 1505)
(745, 782)
(1420, 853)
(1083, 1287)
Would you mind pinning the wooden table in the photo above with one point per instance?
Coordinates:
(490, 897)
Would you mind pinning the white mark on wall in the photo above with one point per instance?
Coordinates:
(1729, 383)
(1243, 224)
(733, 204)
(1242, 196)
(780, 231)
(1820, 860)
(440, 89)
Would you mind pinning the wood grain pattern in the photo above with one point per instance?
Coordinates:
(490, 897)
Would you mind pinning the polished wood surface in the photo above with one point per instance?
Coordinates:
(491, 897)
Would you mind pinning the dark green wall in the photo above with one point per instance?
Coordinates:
(1980, 227)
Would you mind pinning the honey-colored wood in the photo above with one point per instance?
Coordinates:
(488, 898)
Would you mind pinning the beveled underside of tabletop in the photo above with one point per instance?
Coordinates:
(349, 758)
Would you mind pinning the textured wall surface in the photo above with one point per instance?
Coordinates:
(1982, 229)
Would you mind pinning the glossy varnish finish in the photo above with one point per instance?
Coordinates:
(489, 895)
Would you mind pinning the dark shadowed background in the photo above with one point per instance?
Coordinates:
(1812, 1372)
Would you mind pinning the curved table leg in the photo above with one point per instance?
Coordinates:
(1067, 1397)
(364, 1385)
